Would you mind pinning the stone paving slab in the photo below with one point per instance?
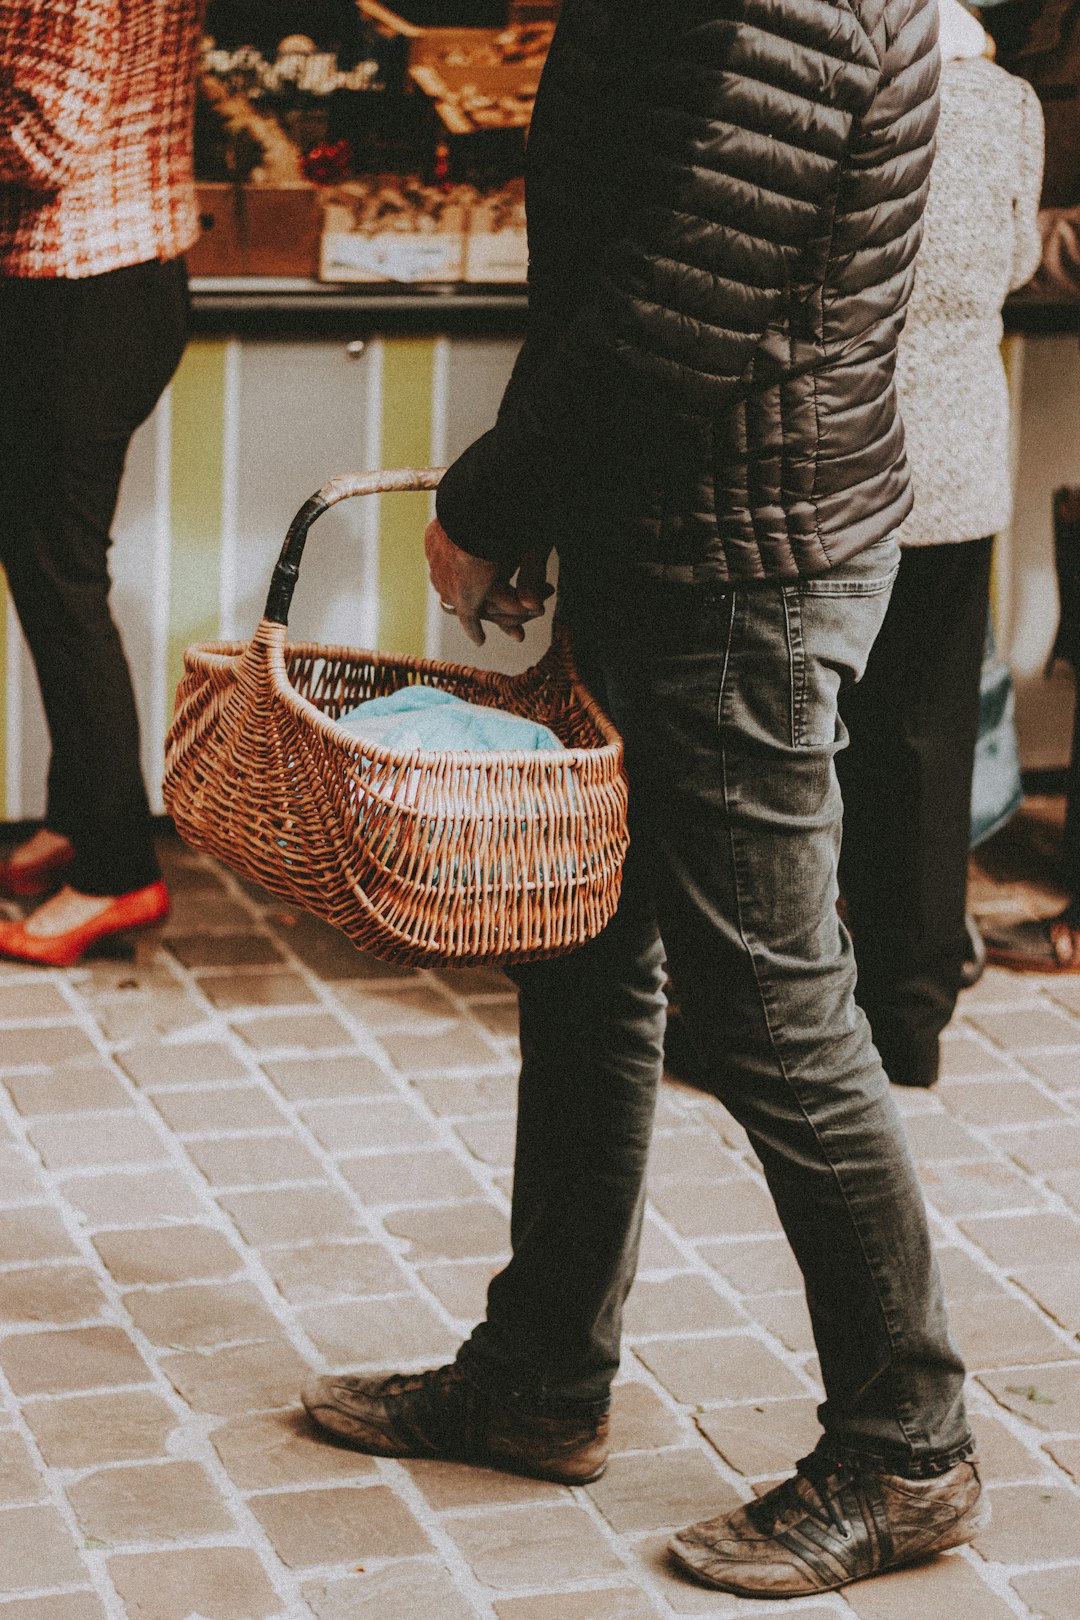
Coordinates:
(249, 1153)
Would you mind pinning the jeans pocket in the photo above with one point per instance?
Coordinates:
(871, 570)
(831, 627)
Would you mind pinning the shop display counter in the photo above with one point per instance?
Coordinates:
(266, 306)
(1028, 315)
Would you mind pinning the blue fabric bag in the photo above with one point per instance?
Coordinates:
(427, 718)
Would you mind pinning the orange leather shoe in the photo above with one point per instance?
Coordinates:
(26, 879)
(139, 909)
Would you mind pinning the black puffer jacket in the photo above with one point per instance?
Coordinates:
(725, 202)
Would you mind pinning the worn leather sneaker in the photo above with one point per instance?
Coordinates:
(439, 1414)
(830, 1524)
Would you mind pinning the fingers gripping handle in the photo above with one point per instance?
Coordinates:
(287, 569)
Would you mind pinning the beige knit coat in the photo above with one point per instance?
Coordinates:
(981, 240)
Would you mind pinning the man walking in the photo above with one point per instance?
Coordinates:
(725, 200)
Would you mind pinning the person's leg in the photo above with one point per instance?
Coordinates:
(592, 1027)
(906, 784)
(742, 800)
(34, 317)
(729, 715)
(81, 369)
(530, 1388)
(1070, 876)
(1049, 944)
(730, 749)
(728, 706)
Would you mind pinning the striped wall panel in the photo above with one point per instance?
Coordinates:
(245, 433)
(248, 430)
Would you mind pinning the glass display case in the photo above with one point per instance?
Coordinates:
(344, 142)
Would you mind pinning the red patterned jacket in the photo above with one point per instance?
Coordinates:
(96, 108)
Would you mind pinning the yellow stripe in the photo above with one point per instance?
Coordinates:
(196, 487)
(407, 382)
(1012, 356)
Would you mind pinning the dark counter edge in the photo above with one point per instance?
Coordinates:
(1029, 316)
(266, 308)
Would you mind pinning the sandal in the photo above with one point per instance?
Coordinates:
(25, 880)
(139, 909)
(1038, 945)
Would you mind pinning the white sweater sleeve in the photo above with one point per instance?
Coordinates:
(1027, 247)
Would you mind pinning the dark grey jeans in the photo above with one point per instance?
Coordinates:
(727, 701)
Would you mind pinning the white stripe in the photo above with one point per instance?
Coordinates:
(227, 584)
(13, 691)
(435, 619)
(368, 624)
(159, 605)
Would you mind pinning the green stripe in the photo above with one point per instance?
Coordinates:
(195, 501)
(407, 386)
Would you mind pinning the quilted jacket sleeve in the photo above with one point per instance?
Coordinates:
(726, 173)
(56, 61)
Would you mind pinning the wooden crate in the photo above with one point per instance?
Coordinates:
(257, 230)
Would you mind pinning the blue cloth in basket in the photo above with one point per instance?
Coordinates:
(427, 717)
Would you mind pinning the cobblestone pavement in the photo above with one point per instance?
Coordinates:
(251, 1152)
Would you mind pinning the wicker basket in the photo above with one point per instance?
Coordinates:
(422, 858)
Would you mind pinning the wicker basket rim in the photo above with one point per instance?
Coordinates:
(540, 761)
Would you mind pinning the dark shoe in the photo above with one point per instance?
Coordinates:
(830, 1524)
(440, 1414)
(1045, 945)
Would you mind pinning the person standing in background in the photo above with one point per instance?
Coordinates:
(1041, 41)
(97, 205)
(912, 720)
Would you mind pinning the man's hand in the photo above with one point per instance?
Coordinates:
(472, 588)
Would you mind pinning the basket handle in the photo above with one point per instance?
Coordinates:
(287, 568)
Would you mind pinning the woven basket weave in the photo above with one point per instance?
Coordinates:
(422, 858)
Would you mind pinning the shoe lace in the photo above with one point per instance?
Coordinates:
(423, 1384)
(434, 1402)
(813, 1489)
(439, 1381)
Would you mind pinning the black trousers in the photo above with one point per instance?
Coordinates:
(82, 364)
(906, 784)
